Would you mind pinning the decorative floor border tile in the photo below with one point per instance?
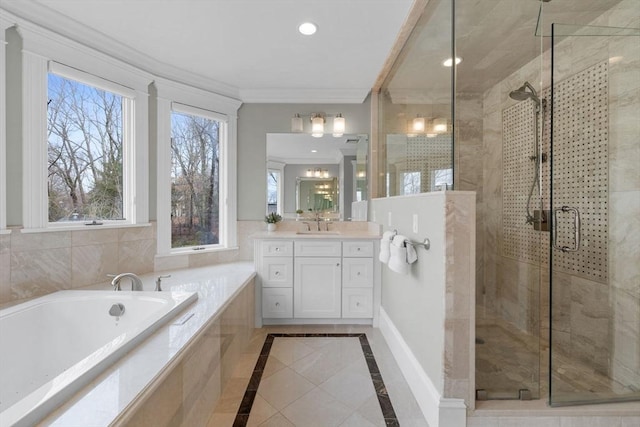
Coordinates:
(242, 417)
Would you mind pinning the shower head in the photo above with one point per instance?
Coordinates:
(522, 93)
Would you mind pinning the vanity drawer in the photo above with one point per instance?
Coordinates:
(357, 303)
(277, 248)
(357, 272)
(318, 248)
(277, 272)
(277, 303)
(357, 249)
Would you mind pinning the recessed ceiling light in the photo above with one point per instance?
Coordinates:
(307, 28)
(448, 62)
(314, 151)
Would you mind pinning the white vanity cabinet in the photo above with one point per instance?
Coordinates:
(311, 280)
(357, 279)
(276, 274)
(317, 285)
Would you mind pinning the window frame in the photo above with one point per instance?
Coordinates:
(222, 147)
(41, 50)
(174, 96)
(3, 129)
(128, 139)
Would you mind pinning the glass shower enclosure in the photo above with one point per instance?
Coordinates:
(595, 209)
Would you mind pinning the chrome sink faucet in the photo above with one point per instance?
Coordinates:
(136, 283)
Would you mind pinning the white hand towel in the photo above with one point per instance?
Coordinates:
(412, 256)
(385, 242)
(398, 255)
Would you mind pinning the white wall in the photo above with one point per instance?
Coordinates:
(428, 316)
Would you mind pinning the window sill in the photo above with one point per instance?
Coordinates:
(7, 231)
(191, 251)
(81, 227)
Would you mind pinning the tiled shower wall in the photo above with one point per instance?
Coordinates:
(593, 319)
(580, 181)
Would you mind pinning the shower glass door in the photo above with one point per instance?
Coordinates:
(595, 211)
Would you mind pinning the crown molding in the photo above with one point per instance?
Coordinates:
(304, 96)
(47, 18)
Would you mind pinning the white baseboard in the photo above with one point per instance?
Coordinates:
(437, 410)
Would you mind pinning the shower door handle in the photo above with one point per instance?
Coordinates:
(576, 229)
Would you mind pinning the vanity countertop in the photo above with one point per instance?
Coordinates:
(338, 230)
(340, 235)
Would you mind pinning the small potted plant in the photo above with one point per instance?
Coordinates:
(272, 219)
(299, 213)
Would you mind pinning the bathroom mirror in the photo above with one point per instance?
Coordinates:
(294, 159)
(317, 195)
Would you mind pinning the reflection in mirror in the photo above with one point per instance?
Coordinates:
(296, 155)
(317, 195)
(418, 163)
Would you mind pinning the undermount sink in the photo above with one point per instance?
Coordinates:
(318, 233)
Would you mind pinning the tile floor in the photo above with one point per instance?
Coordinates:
(317, 381)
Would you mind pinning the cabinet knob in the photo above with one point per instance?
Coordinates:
(358, 249)
(358, 273)
(357, 304)
(277, 273)
(277, 304)
(337, 264)
(277, 249)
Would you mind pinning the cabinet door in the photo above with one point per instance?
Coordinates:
(357, 273)
(317, 287)
(357, 303)
(277, 272)
(277, 303)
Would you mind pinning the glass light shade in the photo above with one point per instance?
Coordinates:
(339, 125)
(317, 126)
(296, 123)
(309, 173)
(317, 173)
(418, 124)
(440, 125)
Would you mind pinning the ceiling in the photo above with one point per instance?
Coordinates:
(494, 37)
(247, 49)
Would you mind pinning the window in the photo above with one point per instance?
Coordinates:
(273, 193)
(442, 179)
(85, 152)
(410, 183)
(196, 174)
(94, 168)
(195, 180)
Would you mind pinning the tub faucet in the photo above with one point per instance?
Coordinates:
(136, 283)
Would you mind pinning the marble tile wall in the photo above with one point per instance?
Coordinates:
(187, 394)
(459, 353)
(35, 264)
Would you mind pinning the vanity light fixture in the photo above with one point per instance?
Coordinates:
(317, 124)
(317, 173)
(449, 62)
